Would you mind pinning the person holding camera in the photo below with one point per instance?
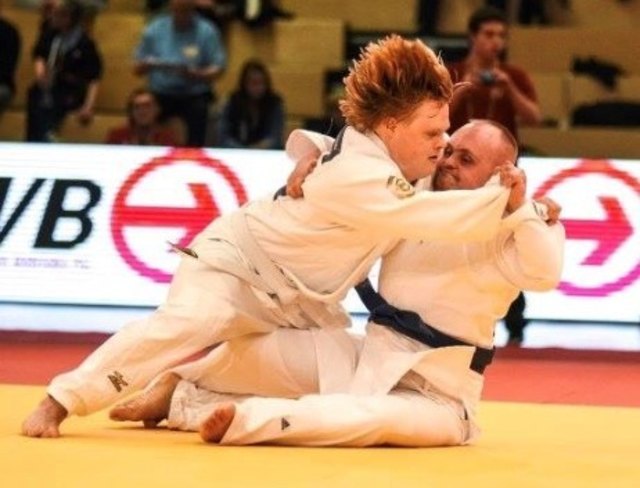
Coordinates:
(493, 89)
(496, 90)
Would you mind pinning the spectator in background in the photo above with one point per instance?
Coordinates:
(498, 91)
(9, 54)
(220, 12)
(91, 10)
(525, 12)
(253, 117)
(143, 127)
(68, 68)
(254, 13)
(182, 54)
(45, 9)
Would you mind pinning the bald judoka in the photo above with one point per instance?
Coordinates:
(288, 263)
(411, 387)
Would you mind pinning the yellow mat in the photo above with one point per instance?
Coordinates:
(523, 446)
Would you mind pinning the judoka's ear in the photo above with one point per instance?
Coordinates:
(391, 124)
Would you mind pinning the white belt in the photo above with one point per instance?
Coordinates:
(266, 276)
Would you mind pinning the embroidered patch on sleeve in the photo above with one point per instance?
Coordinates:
(400, 187)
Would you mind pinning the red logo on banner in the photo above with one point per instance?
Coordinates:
(191, 219)
(610, 233)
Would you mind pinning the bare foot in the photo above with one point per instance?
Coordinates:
(151, 406)
(45, 420)
(216, 425)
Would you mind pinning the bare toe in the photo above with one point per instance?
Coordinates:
(45, 420)
(151, 406)
(216, 425)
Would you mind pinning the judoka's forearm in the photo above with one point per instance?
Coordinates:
(533, 256)
(456, 216)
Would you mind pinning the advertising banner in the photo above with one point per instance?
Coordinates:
(89, 225)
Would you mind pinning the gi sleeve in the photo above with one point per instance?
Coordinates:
(532, 255)
(302, 142)
(375, 199)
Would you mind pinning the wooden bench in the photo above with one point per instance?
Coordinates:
(96, 132)
(545, 50)
(319, 43)
(596, 14)
(12, 125)
(584, 89)
(553, 95)
(27, 22)
(582, 142)
(117, 35)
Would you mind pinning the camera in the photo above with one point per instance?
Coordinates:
(487, 77)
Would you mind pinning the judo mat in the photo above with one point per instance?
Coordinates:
(552, 418)
(524, 445)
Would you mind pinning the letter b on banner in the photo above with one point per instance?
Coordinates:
(55, 211)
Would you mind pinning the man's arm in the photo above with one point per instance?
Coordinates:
(302, 144)
(304, 147)
(371, 198)
(85, 112)
(533, 254)
(522, 94)
(214, 58)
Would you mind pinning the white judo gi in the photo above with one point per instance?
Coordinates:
(280, 263)
(403, 392)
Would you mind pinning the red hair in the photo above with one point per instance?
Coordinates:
(390, 79)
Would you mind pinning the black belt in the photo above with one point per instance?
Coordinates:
(410, 324)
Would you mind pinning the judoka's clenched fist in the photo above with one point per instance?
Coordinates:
(303, 168)
(516, 180)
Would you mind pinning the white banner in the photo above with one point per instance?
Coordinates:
(89, 224)
(601, 212)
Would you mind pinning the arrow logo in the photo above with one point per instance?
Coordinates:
(610, 233)
(192, 219)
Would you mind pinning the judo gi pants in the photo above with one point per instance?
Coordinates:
(204, 307)
(401, 418)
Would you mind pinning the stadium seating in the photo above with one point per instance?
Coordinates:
(27, 23)
(552, 90)
(96, 132)
(117, 35)
(582, 142)
(360, 15)
(552, 49)
(299, 51)
(12, 126)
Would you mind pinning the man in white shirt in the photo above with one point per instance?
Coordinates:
(289, 263)
(419, 378)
